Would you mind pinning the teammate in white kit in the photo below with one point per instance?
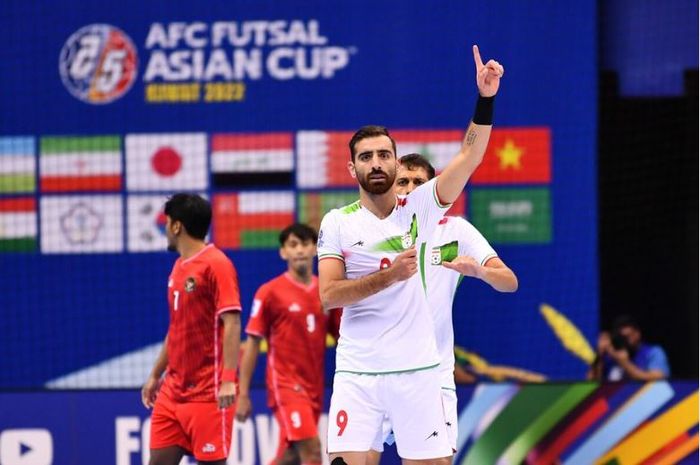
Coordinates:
(456, 249)
(387, 358)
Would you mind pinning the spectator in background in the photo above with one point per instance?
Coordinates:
(623, 355)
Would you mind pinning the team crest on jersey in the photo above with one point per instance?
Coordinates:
(190, 284)
(435, 256)
(295, 307)
(98, 63)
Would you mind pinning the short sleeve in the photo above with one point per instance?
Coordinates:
(472, 243)
(259, 323)
(657, 361)
(329, 237)
(224, 285)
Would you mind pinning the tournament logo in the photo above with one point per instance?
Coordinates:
(190, 284)
(98, 63)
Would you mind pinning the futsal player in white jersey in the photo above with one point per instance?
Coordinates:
(455, 249)
(387, 359)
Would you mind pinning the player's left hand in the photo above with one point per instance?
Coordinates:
(464, 265)
(227, 394)
(488, 76)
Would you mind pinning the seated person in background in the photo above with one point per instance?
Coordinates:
(623, 356)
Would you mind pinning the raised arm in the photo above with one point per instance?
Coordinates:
(451, 182)
(338, 291)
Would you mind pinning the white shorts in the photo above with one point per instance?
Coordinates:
(449, 404)
(411, 402)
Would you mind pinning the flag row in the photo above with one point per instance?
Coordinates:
(113, 223)
(170, 162)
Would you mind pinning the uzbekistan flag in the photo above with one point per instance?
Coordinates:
(17, 164)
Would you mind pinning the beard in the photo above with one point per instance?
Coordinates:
(377, 188)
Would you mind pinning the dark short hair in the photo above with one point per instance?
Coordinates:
(416, 160)
(300, 230)
(624, 321)
(366, 132)
(192, 211)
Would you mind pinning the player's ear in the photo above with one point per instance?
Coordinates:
(283, 254)
(351, 169)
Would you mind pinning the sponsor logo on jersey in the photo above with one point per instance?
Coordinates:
(190, 284)
(98, 63)
(295, 307)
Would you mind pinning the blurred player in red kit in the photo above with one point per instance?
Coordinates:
(287, 312)
(193, 403)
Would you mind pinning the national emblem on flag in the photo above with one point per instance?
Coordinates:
(18, 224)
(81, 224)
(17, 164)
(80, 164)
(265, 159)
(166, 162)
(146, 223)
(250, 220)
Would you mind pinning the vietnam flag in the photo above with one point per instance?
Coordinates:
(516, 156)
(251, 220)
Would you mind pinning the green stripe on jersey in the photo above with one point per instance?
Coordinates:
(352, 208)
(374, 373)
(56, 145)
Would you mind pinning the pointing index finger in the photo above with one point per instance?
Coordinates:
(477, 56)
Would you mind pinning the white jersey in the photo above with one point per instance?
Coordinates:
(392, 330)
(453, 237)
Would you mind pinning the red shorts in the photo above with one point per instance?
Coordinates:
(298, 420)
(201, 428)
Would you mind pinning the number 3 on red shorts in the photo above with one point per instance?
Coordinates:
(342, 421)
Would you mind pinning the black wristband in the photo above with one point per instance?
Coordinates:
(483, 114)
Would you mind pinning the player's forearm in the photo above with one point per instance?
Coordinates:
(161, 362)
(501, 279)
(454, 178)
(231, 339)
(344, 292)
(248, 362)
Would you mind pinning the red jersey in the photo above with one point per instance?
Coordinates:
(200, 289)
(290, 316)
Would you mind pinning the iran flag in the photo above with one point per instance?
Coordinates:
(166, 162)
